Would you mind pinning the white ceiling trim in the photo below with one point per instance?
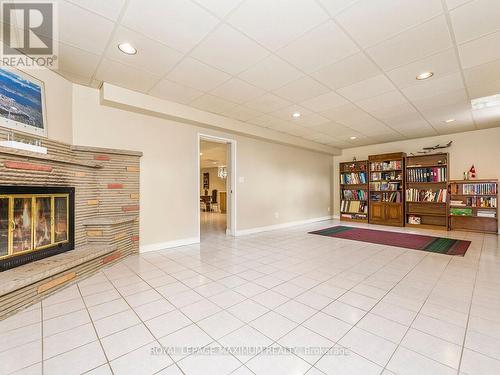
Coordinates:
(118, 97)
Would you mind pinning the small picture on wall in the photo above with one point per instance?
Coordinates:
(22, 102)
(206, 181)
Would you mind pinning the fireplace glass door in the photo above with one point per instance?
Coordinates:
(31, 222)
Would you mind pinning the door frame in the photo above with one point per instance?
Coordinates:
(231, 194)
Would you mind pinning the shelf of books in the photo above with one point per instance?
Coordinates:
(386, 186)
(426, 194)
(354, 191)
(474, 205)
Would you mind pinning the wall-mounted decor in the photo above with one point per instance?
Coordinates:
(22, 102)
(206, 181)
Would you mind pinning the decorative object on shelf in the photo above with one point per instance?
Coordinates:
(22, 102)
(354, 159)
(427, 150)
(415, 220)
(222, 172)
(472, 172)
(22, 142)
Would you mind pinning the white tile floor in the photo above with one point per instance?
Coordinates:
(232, 306)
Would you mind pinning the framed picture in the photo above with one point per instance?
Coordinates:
(22, 102)
(206, 181)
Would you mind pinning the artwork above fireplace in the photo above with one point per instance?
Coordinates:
(35, 222)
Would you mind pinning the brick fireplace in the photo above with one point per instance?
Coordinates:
(63, 216)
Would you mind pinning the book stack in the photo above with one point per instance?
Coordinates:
(353, 178)
(353, 206)
(421, 195)
(488, 188)
(359, 195)
(386, 176)
(385, 165)
(437, 174)
(487, 202)
(460, 211)
(484, 213)
(385, 186)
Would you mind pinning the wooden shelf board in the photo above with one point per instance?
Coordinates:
(478, 208)
(426, 202)
(474, 216)
(353, 184)
(421, 214)
(427, 166)
(473, 195)
(387, 170)
(427, 226)
(429, 183)
(354, 220)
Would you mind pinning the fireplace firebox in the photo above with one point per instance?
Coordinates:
(35, 223)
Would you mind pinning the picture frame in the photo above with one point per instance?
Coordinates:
(22, 102)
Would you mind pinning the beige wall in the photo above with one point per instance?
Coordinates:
(275, 179)
(480, 148)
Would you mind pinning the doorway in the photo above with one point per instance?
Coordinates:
(216, 186)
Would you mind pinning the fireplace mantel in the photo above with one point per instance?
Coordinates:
(106, 183)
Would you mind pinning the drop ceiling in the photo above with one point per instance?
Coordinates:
(212, 154)
(347, 66)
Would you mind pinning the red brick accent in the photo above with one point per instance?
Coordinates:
(111, 257)
(133, 207)
(102, 157)
(134, 238)
(115, 186)
(27, 166)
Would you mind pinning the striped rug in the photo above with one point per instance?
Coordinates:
(439, 245)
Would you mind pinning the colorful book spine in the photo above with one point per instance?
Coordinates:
(353, 178)
(423, 195)
(486, 188)
(437, 174)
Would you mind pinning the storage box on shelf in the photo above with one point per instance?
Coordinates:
(426, 195)
(473, 205)
(386, 189)
(354, 191)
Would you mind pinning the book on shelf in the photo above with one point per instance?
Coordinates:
(484, 213)
(460, 211)
(386, 185)
(457, 203)
(386, 176)
(426, 195)
(485, 202)
(360, 195)
(357, 216)
(353, 167)
(436, 174)
(385, 165)
(481, 188)
(353, 178)
(394, 197)
(353, 206)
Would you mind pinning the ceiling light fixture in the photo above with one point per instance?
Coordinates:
(450, 120)
(352, 138)
(201, 153)
(127, 48)
(296, 115)
(486, 102)
(424, 75)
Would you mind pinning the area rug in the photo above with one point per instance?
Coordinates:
(439, 245)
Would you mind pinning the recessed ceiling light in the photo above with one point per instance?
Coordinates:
(296, 115)
(353, 138)
(127, 48)
(486, 102)
(424, 75)
(214, 162)
(450, 120)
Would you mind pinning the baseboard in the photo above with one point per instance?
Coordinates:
(337, 217)
(168, 244)
(244, 232)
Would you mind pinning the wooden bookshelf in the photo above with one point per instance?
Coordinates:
(466, 205)
(426, 191)
(386, 189)
(354, 191)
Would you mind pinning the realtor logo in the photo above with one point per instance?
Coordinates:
(29, 31)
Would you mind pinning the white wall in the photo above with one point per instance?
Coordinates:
(292, 182)
(480, 147)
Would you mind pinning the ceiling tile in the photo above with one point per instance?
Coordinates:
(86, 81)
(229, 50)
(485, 89)
(324, 102)
(334, 129)
(76, 61)
(371, 21)
(475, 19)
(301, 89)
(197, 75)
(74, 28)
(311, 119)
(440, 64)
(318, 48)
(175, 92)
(267, 121)
(487, 117)
(270, 73)
(286, 113)
(179, 24)
(462, 114)
(341, 112)
(449, 98)
(237, 91)
(268, 103)
(109, 8)
(455, 3)
(290, 128)
(125, 76)
(366, 89)
(347, 71)
(220, 8)
(241, 113)
(336, 6)
(421, 41)
(483, 75)
(407, 121)
(480, 51)
(434, 86)
(151, 55)
(387, 105)
(212, 104)
(278, 22)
